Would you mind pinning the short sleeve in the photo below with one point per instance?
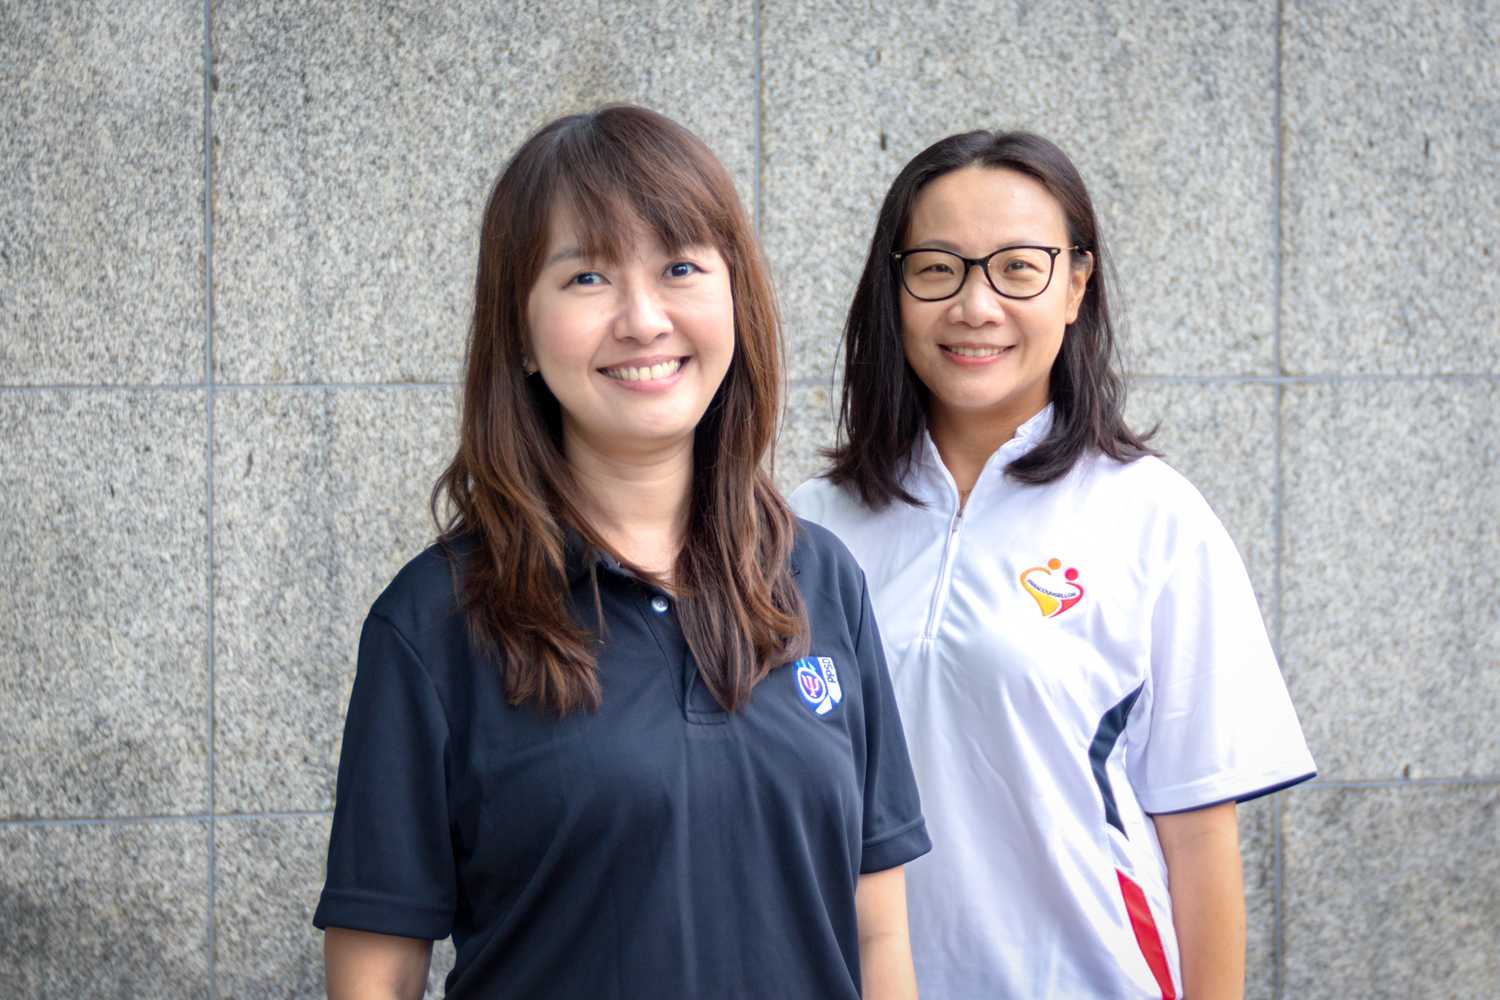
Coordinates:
(894, 831)
(1219, 725)
(390, 855)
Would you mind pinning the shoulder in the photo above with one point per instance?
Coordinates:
(425, 593)
(1146, 490)
(815, 498)
(841, 511)
(820, 554)
(1157, 514)
(827, 574)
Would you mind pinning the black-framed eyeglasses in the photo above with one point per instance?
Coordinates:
(1020, 272)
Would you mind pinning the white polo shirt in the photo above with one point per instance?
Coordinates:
(1068, 660)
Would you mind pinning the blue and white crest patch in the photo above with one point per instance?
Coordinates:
(818, 683)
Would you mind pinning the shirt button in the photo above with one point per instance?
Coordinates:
(659, 604)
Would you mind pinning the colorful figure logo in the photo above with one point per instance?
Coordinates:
(818, 684)
(1053, 594)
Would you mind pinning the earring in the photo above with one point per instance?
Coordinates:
(527, 366)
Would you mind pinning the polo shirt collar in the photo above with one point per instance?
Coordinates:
(579, 557)
(932, 483)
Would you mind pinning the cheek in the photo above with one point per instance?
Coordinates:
(724, 326)
(713, 320)
(1046, 318)
(559, 334)
(911, 317)
(541, 323)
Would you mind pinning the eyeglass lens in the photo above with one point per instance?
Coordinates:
(1020, 272)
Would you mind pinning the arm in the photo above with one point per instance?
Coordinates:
(361, 965)
(1202, 850)
(884, 949)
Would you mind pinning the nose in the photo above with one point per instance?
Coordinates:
(976, 304)
(643, 318)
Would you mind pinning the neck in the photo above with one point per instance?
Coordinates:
(638, 502)
(965, 441)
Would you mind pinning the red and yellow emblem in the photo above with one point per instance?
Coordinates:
(1053, 592)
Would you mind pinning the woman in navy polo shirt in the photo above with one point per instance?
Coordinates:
(626, 730)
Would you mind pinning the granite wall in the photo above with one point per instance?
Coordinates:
(235, 264)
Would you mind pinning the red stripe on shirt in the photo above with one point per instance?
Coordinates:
(1146, 934)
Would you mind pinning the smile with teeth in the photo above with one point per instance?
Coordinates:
(647, 373)
(975, 352)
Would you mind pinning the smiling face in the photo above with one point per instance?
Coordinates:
(986, 359)
(633, 349)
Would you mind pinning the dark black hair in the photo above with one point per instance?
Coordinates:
(884, 408)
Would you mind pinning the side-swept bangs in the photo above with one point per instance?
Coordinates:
(619, 173)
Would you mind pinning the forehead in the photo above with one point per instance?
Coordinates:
(612, 227)
(609, 232)
(980, 208)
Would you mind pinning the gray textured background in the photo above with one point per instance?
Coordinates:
(236, 248)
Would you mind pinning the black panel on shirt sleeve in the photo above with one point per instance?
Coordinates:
(1240, 798)
(390, 854)
(894, 831)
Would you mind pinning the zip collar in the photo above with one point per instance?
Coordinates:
(932, 483)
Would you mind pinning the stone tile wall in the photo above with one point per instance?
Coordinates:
(235, 265)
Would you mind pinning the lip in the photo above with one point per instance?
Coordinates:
(968, 362)
(647, 385)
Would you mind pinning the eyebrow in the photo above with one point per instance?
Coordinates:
(566, 253)
(935, 245)
(953, 247)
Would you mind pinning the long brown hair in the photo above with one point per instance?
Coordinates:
(509, 489)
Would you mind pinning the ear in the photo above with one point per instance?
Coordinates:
(1078, 282)
(528, 366)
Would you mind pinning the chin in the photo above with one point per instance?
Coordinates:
(975, 398)
(655, 435)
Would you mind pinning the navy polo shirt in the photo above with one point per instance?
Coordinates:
(657, 847)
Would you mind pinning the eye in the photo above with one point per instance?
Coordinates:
(682, 269)
(587, 279)
(938, 267)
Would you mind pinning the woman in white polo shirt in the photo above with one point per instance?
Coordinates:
(1082, 670)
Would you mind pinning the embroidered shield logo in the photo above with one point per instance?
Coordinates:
(818, 683)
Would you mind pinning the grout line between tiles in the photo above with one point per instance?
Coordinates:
(760, 88)
(1278, 885)
(211, 931)
(54, 823)
(1279, 529)
(21, 390)
(323, 386)
(802, 380)
(1277, 890)
(1319, 784)
(1325, 379)
(48, 823)
(235, 817)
